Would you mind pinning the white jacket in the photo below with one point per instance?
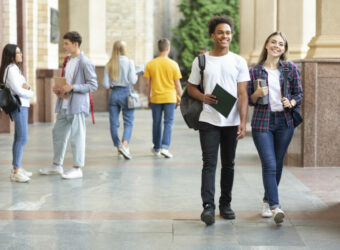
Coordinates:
(15, 81)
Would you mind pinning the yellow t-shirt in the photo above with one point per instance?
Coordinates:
(163, 72)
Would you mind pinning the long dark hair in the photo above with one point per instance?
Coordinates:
(264, 52)
(8, 56)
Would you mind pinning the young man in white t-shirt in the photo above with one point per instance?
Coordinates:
(230, 71)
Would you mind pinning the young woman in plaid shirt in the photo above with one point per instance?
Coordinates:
(272, 123)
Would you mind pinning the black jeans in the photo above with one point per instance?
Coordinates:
(211, 138)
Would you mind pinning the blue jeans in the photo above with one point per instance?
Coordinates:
(272, 147)
(211, 138)
(157, 111)
(20, 135)
(118, 102)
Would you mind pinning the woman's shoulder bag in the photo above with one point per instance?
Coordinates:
(8, 102)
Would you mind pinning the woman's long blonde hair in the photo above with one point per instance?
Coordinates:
(113, 65)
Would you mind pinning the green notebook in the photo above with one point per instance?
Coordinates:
(225, 100)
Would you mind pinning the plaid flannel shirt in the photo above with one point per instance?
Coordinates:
(261, 115)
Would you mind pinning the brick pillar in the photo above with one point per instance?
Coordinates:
(21, 30)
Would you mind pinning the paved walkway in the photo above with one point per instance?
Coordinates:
(154, 203)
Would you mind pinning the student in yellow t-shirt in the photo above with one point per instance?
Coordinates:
(164, 92)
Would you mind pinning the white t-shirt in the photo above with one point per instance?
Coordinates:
(227, 71)
(69, 72)
(274, 90)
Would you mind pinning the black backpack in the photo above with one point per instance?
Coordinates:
(8, 102)
(191, 108)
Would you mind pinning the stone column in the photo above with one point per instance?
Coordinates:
(265, 24)
(321, 105)
(296, 18)
(247, 28)
(326, 43)
(88, 17)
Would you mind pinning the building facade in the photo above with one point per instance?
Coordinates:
(312, 28)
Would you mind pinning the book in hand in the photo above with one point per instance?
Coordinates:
(60, 82)
(261, 100)
(225, 101)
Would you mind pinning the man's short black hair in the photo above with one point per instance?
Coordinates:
(73, 36)
(220, 19)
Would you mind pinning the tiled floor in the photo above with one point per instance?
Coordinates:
(154, 203)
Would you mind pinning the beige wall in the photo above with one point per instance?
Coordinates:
(9, 22)
(129, 20)
(312, 27)
(132, 22)
(296, 18)
(326, 43)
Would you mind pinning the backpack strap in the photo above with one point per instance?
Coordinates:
(284, 91)
(7, 69)
(201, 65)
(64, 65)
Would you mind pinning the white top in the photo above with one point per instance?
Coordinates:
(227, 71)
(69, 72)
(274, 90)
(15, 81)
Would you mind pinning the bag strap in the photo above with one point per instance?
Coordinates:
(7, 75)
(201, 65)
(284, 92)
(64, 65)
(131, 89)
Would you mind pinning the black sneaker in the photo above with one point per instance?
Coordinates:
(208, 215)
(226, 212)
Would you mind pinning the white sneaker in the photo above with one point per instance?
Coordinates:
(74, 173)
(54, 169)
(278, 215)
(166, 153)
(155, 153)
(27, 173)
(19, 177)
(266, 212)
(125, 151)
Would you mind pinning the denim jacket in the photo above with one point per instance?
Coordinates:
(127, 74)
